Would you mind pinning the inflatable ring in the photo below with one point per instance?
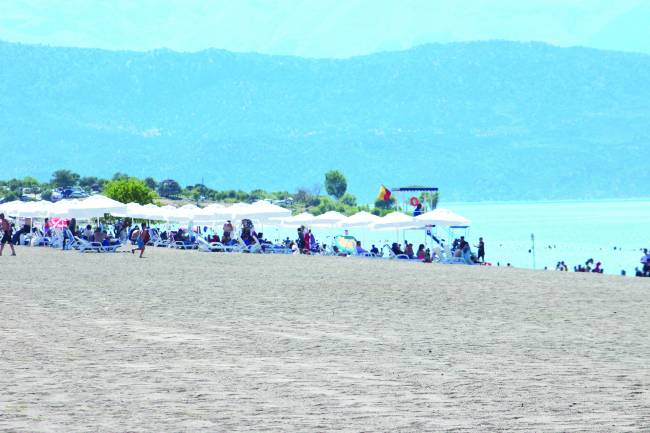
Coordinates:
(414, 201)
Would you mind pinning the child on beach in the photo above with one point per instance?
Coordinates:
(142, 239)
(6, 235)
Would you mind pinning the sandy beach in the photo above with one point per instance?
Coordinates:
(189, 341)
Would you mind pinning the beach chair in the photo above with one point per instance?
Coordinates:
(209, 247)
(157, 241)
(112, 248)
(88, 246)
(255, 248)
(391, 255)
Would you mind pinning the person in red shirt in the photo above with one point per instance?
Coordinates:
(307, 239)
(142, 239)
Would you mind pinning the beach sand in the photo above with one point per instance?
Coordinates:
(190, 341)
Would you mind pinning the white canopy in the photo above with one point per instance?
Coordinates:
(211, 214)
(30, 209)
(239, 211)
(11, 208)
(60, 208)
(359, 219)
(442, 217)
(298, 220)
(94, 206)
(328, 219)
(263, 210)
(394, 220)
(183, 214)
(133, 210)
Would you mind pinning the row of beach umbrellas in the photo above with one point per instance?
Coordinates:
(263, 212)
(392, 221)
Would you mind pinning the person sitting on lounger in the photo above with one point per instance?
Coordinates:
(421, 253)
(88, 233)
(98, 236)
(228, 229)
(409, 251)
(360, 249)
(374, 250)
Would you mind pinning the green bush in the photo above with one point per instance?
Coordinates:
(129, 190)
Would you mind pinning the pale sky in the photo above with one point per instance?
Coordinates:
(322, 28)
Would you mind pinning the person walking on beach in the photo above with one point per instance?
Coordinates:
(481, 250)
(142, 239)
(6, 235)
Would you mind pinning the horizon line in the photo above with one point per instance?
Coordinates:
(413, 48)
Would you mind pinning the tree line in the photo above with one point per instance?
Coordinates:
(126, 189)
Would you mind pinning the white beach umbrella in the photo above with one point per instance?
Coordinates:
(61, 208)
(152, 212)
(184, 214)
(393, 221)
(442, 217)
(167, 212)
(240, 210)
(328, 219)
(304, 218)
(95, 206)
(263, 210)
(360, 219)
(11, 208)
(211, 214)
(36, 209)
(133, 210)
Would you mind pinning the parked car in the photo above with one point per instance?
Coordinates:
(68, 192)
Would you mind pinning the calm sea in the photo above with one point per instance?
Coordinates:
(612, 232)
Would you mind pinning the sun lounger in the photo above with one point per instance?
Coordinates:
(210, 247)
(87, 246)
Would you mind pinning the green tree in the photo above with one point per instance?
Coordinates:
(63, 178)
(46, 194)
(10, 196)
(30, 182)
(87, 182)
(151, 182)
(119, 175)
(430, 199)
(385, 204)
(348, 199)
(169, 188)
(335, 183)
(129, 190)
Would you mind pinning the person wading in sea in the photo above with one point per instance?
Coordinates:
(6, 235)
(142, 239)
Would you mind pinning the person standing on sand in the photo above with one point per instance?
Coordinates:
(142, 239)
(307, 238)
(481, 250)
(6, 235)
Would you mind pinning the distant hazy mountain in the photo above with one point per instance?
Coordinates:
(490, 120)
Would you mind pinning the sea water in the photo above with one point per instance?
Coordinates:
(612, 232)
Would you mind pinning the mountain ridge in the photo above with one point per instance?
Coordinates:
(475, 119)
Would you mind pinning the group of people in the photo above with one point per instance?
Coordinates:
(644, 269)
(461, 249)
(589, 267)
